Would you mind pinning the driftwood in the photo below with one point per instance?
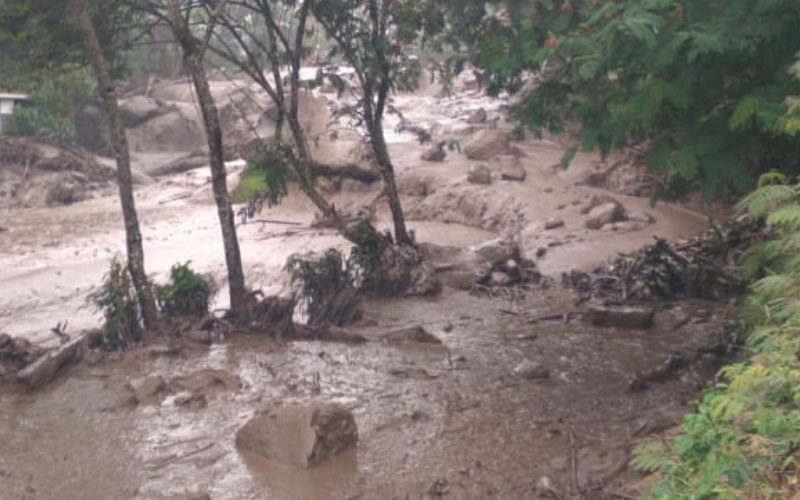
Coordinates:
(45, 368)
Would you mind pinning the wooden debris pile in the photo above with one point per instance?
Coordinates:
(15, 354)
(703, 267)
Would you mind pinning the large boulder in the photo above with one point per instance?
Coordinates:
(301, 436)
(136, 110)
(477, 116)
(479, 174)
(68, 187)
(604, 214)
(485, 144)
(513, 170)
(433, 153)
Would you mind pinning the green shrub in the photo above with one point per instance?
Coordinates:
(117, 300)
(55, 99)
(743, 440)
(187, 293)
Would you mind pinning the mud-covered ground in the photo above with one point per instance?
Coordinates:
(459, 420)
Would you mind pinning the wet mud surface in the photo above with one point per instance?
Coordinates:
(459, 420)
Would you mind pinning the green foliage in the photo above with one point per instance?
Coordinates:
(55, 99)
(187, 293)
(711, 84)
(265, 177)
(117, 300)
(325, 286)
(742, 442)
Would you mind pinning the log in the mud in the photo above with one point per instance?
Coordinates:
(45, 368)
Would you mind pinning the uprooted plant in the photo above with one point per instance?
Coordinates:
(187, 293)
(117, 300)
(326, 286)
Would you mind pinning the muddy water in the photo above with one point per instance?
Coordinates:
(455, 418)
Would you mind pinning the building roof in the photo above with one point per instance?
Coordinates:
(13, 95)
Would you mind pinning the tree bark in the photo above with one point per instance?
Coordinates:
(119, 143)
(193, 55)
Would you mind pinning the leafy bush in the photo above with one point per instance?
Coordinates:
(187, 292)
(117, 300)
(743, 440)
(326, 287)
(264, 178)
(705, 83)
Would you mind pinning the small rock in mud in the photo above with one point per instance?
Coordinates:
(479, 174)
(434, 154)
(531, 370)
(541, 252)
(514, 171)
(206, 382)
(148, 389)
(604, 214)
(302, 436)
(498, 278)
(191, 401)
(478, 116)
(553, 223)
(627, 316)
(409, 334)
(641, 217)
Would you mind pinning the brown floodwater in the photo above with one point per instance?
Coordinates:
(454, 419)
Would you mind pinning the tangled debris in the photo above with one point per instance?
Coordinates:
(703, 267)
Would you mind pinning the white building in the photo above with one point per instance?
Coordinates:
(7, 103)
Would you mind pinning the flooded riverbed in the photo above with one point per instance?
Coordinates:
(459, 419)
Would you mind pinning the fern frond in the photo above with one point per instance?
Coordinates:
(787, 217)
(652, 455)
(765, 199)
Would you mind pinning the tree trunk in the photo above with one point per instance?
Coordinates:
(193, 56)
(378, 142)
(119, 143)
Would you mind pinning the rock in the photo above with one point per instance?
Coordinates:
(185, 163)
(600, 314)
(206, 382)
(301, 436)
(627, 226)
(541, 252)
(641, 217)
(190, 400)
(147, 389)
(553, 223)
(136, 110)
(530, 370)
(514, 171)
(593, 202)
(498, 278)
(68, 187)
(496, 250)
(455, 267)
(479, 174)
(604, 214)
(434, 153)
(485, 144)
(409, 334)
(478, 116)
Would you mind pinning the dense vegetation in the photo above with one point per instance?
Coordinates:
(704, 83)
